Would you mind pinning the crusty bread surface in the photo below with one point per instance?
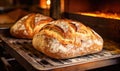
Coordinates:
(62, 39)
(29, 25)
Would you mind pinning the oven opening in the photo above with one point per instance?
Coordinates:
(101, 15)
(92, 7)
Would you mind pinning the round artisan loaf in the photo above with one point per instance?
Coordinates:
(29, 25)
(62, 39)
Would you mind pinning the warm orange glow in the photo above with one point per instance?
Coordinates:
(45, 4)
(48, 2)
(62, 5)
(104, 15)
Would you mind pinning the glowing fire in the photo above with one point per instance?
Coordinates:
(45, 4)
(104, 15)
(48, 2)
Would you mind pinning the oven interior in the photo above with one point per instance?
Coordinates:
(101, 15)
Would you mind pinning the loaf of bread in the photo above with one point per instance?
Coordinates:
(29, 25)
(62, 39)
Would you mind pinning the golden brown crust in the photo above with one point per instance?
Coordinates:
(71, 39)
(29, 25)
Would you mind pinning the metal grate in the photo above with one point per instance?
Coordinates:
(43, 62)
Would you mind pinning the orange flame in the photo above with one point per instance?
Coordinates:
(45, 4)
(103, 15)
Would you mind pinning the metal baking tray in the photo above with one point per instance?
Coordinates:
(5, 25)
(24, 52)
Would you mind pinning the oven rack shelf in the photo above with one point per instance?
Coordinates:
(30, 58)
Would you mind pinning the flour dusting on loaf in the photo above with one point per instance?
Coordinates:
(29, 25)
(62, 39)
